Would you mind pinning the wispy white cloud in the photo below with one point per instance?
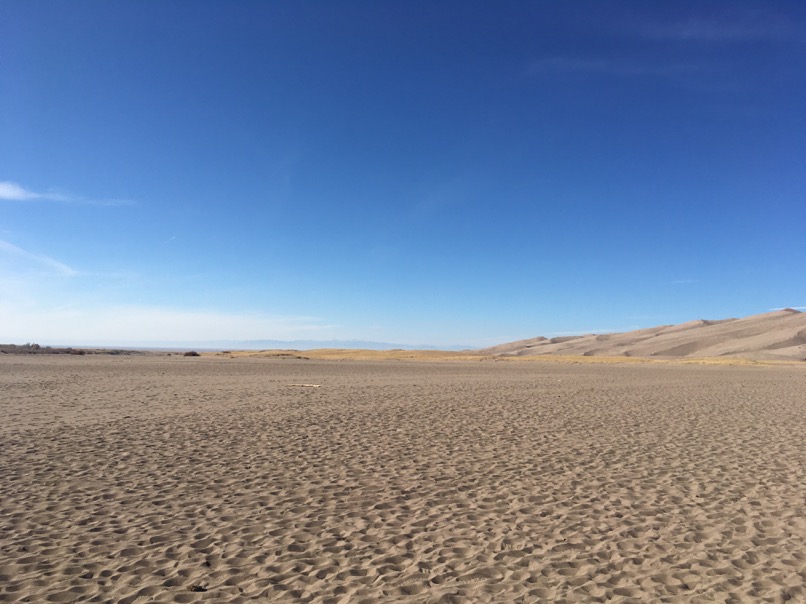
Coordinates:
(12, 191)
(38, 259)
(734, 26)
(145, 325)
(611, 67)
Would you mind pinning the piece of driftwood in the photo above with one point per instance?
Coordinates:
(305, 385)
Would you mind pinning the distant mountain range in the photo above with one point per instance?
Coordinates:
(778, 335)
(293, 345)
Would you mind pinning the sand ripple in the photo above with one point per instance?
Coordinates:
(185, 480)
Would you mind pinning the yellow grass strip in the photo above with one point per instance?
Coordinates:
(346, 354)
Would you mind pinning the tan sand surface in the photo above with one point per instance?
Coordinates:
(172, 479)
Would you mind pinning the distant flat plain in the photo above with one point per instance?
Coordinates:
(181, 479)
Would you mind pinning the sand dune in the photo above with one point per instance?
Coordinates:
(174, 479)
(778, 335)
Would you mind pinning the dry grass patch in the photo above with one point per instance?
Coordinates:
(348, 354)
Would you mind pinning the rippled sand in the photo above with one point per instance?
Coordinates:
(173, 479)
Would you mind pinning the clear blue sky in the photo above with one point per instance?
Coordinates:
(417, 172)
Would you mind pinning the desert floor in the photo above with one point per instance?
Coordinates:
(173, 479)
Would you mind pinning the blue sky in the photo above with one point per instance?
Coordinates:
(416, 172)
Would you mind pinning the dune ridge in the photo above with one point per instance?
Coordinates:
(777, 335)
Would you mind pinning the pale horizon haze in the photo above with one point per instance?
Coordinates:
(444, 174)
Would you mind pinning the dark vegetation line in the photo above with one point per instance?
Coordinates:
(37, 349)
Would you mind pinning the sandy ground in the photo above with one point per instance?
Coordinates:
(172, 479)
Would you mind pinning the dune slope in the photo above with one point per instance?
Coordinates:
(778, 335)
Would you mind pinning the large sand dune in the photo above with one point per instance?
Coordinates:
(779, 335)
(172, 479)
